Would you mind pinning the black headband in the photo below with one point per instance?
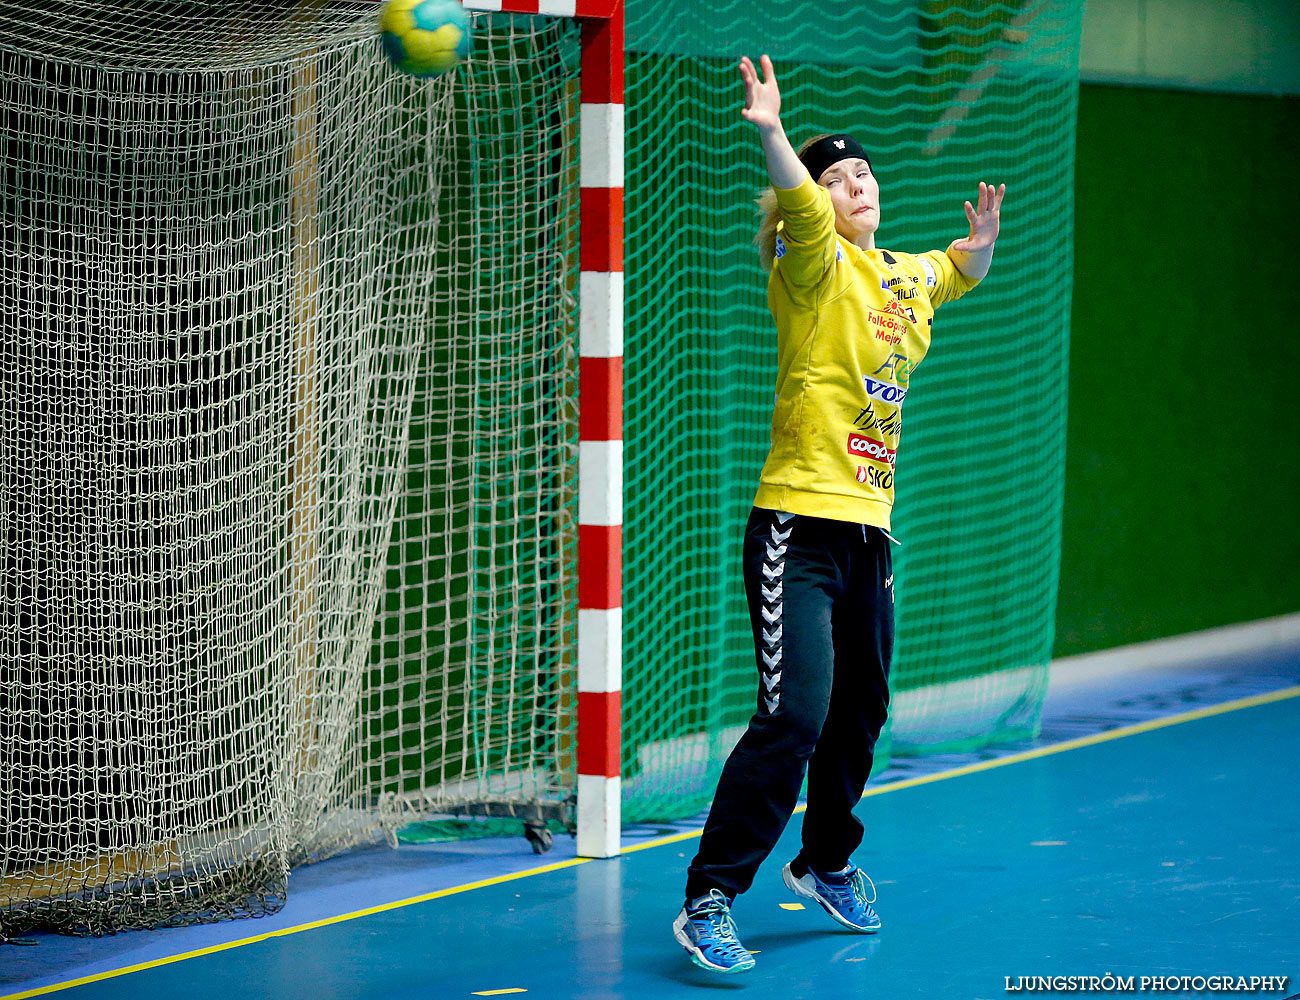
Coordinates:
(824, 152)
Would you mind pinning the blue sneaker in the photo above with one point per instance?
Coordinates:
(843, 896)
(708, 933)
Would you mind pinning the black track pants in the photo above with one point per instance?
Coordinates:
(821, 604)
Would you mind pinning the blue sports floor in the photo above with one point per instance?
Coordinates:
(1153, 830)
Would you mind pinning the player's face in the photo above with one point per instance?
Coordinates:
(856, 197)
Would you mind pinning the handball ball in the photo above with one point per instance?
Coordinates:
(425, 37)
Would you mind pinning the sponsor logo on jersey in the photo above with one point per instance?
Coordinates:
(890, 423)
(877, 451)
(898, 366)
(931, 279)
(886, 392)
(895, 309)
(780, 248)
(888, 322)
(881, 479)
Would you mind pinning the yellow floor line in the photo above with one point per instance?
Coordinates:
(986, 765)
(286, 931)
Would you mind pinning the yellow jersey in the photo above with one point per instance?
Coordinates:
(851, 327)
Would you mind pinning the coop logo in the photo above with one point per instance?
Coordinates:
(886, 392)
(860, 444)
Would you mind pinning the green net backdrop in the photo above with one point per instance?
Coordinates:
(943, 96)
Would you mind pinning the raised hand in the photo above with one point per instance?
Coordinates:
(984, 219)
(762, 97)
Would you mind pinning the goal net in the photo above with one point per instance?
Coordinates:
(286, 462)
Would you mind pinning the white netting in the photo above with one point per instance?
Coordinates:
(237, 250)
(182, 34)
(471, 705)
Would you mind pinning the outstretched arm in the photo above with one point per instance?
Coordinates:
(763, 109)
(974, 254)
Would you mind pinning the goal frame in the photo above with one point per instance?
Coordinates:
(600, 413)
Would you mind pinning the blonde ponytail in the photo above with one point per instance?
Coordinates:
(768, 217)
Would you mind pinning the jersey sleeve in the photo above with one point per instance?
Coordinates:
(805, 247)
(943, 282)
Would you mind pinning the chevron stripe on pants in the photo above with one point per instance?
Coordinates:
(821, 605)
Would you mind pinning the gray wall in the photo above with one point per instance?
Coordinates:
(1229, 46)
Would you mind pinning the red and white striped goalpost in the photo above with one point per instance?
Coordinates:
(600, 413)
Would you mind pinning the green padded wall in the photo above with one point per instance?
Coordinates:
(1181, 481)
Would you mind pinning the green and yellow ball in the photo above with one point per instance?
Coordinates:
(425, 37)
